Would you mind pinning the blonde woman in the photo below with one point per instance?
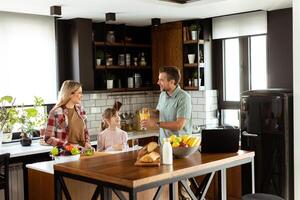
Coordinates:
(66, 122)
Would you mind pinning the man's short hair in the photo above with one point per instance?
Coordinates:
(173, 73)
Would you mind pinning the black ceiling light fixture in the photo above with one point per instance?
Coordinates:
(180, 1)
(55, 10)
(155, 21)
(110, 16)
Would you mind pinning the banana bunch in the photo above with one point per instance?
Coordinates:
(184, 141)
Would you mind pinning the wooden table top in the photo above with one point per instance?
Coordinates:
(119, 168)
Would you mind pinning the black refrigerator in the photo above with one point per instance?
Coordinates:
(266, 119)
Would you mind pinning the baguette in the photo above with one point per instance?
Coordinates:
(151, 146)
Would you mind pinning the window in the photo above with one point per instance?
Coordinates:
(27, 57)
(258, 62)
(231, 75)
(244, 67)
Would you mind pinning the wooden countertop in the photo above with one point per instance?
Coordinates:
(119, 168)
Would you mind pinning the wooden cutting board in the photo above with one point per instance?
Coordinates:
(156, 163)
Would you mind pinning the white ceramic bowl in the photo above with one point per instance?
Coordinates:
(62, 159)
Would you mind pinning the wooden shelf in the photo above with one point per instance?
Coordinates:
(190, 88)
(100, 66)
(129, 89)
(193, 42)
(193, 65)
(138, 45)
(121, 44)
(122, 67)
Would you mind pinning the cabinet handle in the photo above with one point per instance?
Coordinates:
(245, 133)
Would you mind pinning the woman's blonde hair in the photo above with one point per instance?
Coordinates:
(68, 88)
(106, 116)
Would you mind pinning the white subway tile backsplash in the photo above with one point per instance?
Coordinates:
(204, 105)
(194, 115)
(201, 101)
(95, 124)
(96, 110)
(194, 100)
(95, 96)
(197, 107)
(101, 102)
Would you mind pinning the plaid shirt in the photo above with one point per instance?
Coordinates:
(57, 127)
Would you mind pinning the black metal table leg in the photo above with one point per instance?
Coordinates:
(132, 195)
(172, 194)
(57, 187)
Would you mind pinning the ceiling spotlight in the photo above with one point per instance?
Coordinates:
(55, 10)
(155, 21)
(110, 17)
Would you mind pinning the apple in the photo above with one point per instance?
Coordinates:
(182, 144)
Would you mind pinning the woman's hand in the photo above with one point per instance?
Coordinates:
(87, 145)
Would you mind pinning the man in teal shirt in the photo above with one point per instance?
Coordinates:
(174, 105)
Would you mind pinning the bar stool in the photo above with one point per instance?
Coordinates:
(261, 196)
(4, 176)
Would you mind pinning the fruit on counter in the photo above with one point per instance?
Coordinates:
(75, 151)
(184, 141)
(89, 151)
(65, 151)
(54, 151)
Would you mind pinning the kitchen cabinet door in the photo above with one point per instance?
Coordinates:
(166, 48)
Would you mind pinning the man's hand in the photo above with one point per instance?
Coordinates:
(149, 123)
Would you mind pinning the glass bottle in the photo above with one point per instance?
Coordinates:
(110, 37)
(167, 153)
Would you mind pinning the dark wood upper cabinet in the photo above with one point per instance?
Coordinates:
(75, 56)
(166, 48)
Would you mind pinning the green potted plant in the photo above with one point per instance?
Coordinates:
(194, 28)
(99, 56)
(8, 117)
(30, 119)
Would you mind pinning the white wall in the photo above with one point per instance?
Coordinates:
(296, 74)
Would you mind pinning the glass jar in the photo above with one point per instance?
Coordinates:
(110, 37)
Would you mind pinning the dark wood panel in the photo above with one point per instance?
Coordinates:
(167, 47)
(280, 48)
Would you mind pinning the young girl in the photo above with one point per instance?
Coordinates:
(112, 138)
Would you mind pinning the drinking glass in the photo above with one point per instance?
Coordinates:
(144, 115)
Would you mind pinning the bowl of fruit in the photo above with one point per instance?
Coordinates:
(184, 145)
(65, 154)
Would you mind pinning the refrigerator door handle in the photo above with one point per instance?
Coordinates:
(245, 133)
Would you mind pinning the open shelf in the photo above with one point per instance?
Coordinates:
(120, 44)
(193, 42)
(129, 89)
(192, 65)
(190, 88)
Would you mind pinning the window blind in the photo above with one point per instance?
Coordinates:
(27, 57)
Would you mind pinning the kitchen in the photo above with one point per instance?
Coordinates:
(132, 101)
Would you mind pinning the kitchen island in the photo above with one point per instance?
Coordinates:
(20, 156)
(118, 172)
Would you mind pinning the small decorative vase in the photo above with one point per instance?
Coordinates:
(109, 84)
(194, 35)
(25, 141)
(191, 58)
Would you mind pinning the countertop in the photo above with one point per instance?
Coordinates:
(16, 150)
(47, 166)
